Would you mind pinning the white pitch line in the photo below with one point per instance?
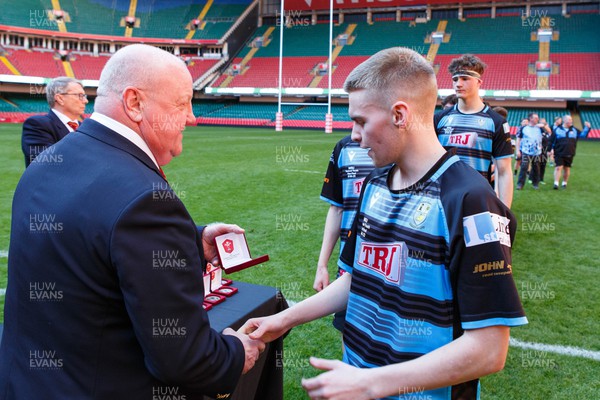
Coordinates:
(2, 292)
(3, 253)
(558, 349)
(302, 170)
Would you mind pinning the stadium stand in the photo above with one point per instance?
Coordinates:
(507, 43)
(38, 63)
(87, 67)
(593, 116)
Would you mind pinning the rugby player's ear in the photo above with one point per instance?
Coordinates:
(399, 114)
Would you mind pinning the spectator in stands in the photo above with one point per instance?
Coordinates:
(529, 149)
(67, 101)
(476, 131)
(432, 323)
(106, 265)
(564, 143)
(449, 101)
(348, 166)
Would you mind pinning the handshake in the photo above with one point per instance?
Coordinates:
(254, 335)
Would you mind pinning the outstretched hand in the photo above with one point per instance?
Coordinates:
(265, 329)
(341, 381)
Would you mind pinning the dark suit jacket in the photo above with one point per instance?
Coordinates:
(40, 132)
(105, 291)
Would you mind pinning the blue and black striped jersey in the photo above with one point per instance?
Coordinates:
(427, 263)
(347, 169)
(476, 137)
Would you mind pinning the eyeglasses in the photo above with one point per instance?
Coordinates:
(82, 96)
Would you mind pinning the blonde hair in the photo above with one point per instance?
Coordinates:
(391, 72)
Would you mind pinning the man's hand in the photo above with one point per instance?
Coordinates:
(321, 278)
(252, 348)
(209, 234)
(265, 329)
(587, 124)
(341, 381)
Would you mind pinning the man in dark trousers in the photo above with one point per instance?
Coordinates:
(67, 101)
(563, 143)
(105, 288)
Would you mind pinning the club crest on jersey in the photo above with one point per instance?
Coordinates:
(384, 258)
(420, 214)
(448, 130)
(464, 139)
(480, 121)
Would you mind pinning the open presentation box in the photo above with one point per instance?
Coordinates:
(234, 254)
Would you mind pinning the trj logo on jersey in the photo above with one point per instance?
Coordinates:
(486, 227)
(420, 214)
(464, 139)
(357, 185)
(384, 258)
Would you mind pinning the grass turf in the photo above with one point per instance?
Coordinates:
(270, 182)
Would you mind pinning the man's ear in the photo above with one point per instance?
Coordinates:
(132, 103)
(400, 114)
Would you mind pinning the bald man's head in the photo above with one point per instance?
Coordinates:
(137, 65)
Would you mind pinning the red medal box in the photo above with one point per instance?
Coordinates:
(234, 254)
(226, 291)
(214, 299)
(206, 306)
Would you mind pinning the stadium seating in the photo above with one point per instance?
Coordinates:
(577, 71)
(36, 63)
(592, 115)
(159, 19)
(506, 35)
(263, 72)
(87, 67)
(504, 71)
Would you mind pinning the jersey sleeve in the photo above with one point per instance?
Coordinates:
(332, 191)
(482, 234)
(501, 144)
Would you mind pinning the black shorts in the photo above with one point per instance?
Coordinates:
(563, 161)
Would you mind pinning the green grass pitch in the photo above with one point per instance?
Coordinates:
(270, 183)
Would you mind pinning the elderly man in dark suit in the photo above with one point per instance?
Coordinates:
(105, 289)
(67, 101)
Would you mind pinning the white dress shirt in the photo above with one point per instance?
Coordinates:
(124, 131)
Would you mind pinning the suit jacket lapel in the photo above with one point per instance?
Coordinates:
(100, 132)
(60, 128)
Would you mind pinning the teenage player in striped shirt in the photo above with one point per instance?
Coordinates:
(429, 292)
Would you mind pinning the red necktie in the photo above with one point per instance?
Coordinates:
(73, 125)
(162, 173)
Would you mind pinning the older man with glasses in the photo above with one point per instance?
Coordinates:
(67, 101)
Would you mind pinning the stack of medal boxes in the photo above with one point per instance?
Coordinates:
(216, 288)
